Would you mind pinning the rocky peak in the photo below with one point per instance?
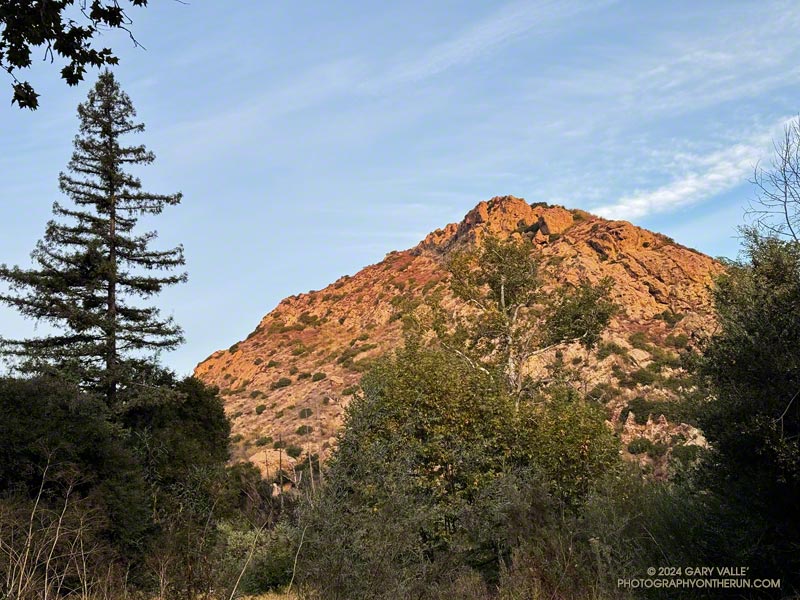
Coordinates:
(290, 380)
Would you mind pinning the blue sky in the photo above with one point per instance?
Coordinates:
(310, 140)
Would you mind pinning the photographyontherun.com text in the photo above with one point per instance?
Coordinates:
(694, 577)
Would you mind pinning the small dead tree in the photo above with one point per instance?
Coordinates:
(776, 208)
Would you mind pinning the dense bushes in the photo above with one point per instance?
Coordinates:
(132, 491)
(420, 493)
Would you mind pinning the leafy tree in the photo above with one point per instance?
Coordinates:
(91, 268)
(27, 24)
(512, 316)
(752, 369)
(54, 433)
(408, 501)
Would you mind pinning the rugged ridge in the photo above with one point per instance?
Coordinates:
(292, 377)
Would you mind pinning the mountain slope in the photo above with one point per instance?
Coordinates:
(292, 377)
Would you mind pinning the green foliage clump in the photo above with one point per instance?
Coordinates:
(273, 363)
(258, 361)
(263, 440)
(573, 445)
(303, 430)
(685, 454)
(677, 341)
(658, 450)
(642, 408)
(639, 340)
(261, 408)
(751, 367)
(318, 376)
(669, 317)
(281, 383)
(305, 413)
(604, 392)
(423, 464)
(268, 556)
(305, 375)
(639, 377)
(294, 451)
(350, 390)
(307, 318)
(581, 314)
(640, 446)
(606, 349)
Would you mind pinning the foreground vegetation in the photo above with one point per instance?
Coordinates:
(456, 475)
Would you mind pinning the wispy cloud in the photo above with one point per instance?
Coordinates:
(712, 174)
(246, 120)
(503, 27)
(744, 53)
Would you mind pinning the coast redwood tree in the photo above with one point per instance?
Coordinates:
(92, 269)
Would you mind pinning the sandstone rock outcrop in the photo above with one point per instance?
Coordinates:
(295, 373)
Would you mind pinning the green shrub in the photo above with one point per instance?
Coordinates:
(669, 317)
(279, 444)
(294, 451)
(236, 438)
(303, 430)
(604, 392)
(639, 340)
(349, 391)
(293, 370)
(429, 286)
(258, 361)
(643, 408)
(677, 341)
(234, 348)
(305, 375)
(657, 450)
(664, 358)
(307, 318)
(685, 454)
(273, 363)
(261, 408)
(640, 446)
(256, 393)
(281, 383)
(305, 413)
(264, 440)
(641, 377)
(318, 376)
(604, 350)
